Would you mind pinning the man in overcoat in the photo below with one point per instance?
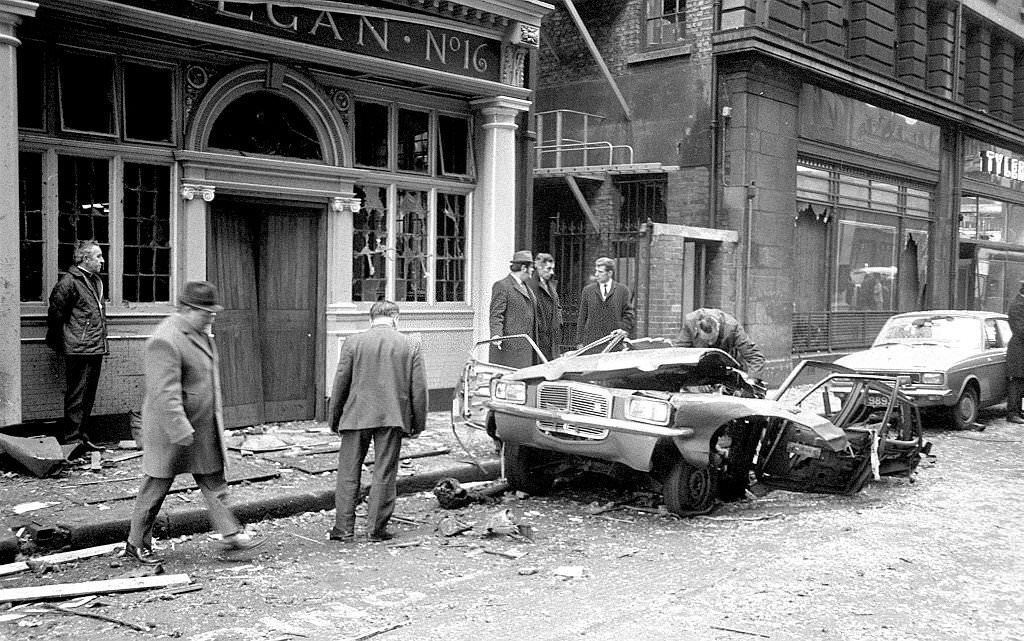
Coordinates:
(513, 311)
(605, 305)
(76, 322)
(380, 395)
(1015, 358)
(182, 427)
(549, 307)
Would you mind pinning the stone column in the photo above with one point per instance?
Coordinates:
(192, 255)
(494, 202)
(11, 14)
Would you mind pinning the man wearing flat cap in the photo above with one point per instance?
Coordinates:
(514, 311)
(1015, 358)
(182, 427)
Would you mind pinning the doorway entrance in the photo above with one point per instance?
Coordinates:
(263, 257)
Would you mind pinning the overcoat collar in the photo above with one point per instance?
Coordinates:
(202, 342)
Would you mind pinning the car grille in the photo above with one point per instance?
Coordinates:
(588, 401)
(915, 377)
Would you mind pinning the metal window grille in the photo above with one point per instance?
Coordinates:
(642, 200)
(83, 208)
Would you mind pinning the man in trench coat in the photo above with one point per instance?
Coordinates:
(513, 310)
(182, 427)
(548, 307)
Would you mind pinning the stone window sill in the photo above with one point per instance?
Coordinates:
(678, 51)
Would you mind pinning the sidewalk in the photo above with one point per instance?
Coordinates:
(289, 469)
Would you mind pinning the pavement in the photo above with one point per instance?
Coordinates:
(275, 470)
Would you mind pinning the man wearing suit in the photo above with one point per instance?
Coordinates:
(182, 428)
(605, 305)
(380, 394)
(514, 311)
(549, 307)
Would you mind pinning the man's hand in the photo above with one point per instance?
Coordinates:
(496, 343)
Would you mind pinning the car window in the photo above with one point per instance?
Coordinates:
(949, 331)
(1005, 333)
(992, 339)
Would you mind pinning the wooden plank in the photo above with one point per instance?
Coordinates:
(13, 568)
(67, 590)
(74, 555)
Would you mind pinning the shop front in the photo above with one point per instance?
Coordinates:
(309, 158)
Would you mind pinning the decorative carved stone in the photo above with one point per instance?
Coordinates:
(197, 79)
(513, 65)
(190, 190)
(340, 204)
(341, 101)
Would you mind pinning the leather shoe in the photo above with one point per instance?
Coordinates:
(378, 537)
(143, 555)
(242, 541)
(344, 537)
(1014, 418)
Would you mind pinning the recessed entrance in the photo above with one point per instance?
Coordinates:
(263, 257)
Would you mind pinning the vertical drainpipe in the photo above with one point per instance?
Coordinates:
(716, 9)
(956, 167)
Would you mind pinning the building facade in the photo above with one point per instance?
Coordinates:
(866, 155)
(308, 158)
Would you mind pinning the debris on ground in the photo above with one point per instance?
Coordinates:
(40, 455)
(64, 590)
(451, 525)
(452, 495)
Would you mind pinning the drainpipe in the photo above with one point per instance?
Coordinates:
(716, 143)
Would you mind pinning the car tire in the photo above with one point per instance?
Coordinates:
(526, 468)
(965, 412)
(689, 490)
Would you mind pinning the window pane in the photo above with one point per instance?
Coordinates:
(450, 266)
(369, 245)
(148, 102)
(265, 123)
(371, 134)
(83, 208)
(867, 254)
(87, 93)
(453, 145)
(413, 140)
(147, 238)
(411, 250)
(31, 101)
(30, 219)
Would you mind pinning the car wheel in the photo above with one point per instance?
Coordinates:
(688, 489)
(526, 468)
(965, 412)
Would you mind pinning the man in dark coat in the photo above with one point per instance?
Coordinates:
(1015, 358)
(182, 428)
(549, 307)
(380, 395)
(77, 328)
(513, 310)
(710, 327)
(605, 305)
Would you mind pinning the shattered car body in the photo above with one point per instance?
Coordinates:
(693, 421)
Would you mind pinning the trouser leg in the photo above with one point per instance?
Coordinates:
(83, 376)
(351, 453)
(215, 492)
(147, 506)
(1014, 390)
(387, 444)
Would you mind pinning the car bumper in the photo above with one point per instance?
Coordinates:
(930, 397)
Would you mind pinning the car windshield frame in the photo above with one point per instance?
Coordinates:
(946, 330)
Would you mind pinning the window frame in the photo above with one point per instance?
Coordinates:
(176, 82)
(647, 20)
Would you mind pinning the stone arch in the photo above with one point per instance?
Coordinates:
(302, 91)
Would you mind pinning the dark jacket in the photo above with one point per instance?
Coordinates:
(549, 316)
(598, 318)
(380, 382)
(76, 321)
(512, 311)
(731, 339)
(1015, 348)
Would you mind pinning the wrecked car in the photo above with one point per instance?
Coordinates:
(692, 422)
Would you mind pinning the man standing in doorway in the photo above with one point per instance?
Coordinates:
(710, 327)
(605, 305)
(549, 308)
(77, 328)
(1015, 358)
(514, 311)
(182, 427)
(380, 395)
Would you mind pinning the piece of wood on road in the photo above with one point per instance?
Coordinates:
(66, 590)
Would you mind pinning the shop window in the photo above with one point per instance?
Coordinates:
(413, 141)
(148, 102)
(87, 93)
(83, 209)
(265, 123)
(452, 145)
(371, 134)
(369, 245)
(665, 22)
(31, 86)
(867, 254)
(411, 247)
(991, 220)
(450, 248)
(30, 224)
(147, 234)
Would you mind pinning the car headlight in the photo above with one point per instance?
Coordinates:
(509, 391)
(648, 410)
(933, 378)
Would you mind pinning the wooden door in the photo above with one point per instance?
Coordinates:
(287, 290)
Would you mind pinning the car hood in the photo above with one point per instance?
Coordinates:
(904, 358)
(644, 360)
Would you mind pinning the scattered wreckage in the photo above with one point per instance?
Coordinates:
(689, 419)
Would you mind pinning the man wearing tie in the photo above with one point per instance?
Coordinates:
(514, 311)
(605, 305)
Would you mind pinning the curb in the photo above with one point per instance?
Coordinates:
(190, 520)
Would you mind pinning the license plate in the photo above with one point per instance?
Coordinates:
(806, 451)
